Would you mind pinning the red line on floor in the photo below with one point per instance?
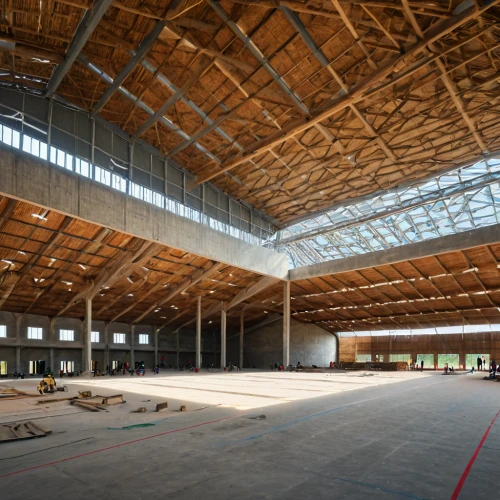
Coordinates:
(117, 446)
(463, 478)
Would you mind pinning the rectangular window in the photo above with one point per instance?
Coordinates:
(3, 331)
(3, 367)
(94, 337)
(82, 167)
(34, 333)
(428, 360)
(114, 365)
(471, 360)
(451, 359)
(67, 366)
(363, 358)
(67, 335)
(143, 338)
(119, 338)
(400, 357)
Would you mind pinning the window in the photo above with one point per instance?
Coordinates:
(363, 358)
(3, 367)
(94, 337)
(37, 367)
(34, 147)
(400, 357)
(67, 366)
(119, 338)
(143, 338)
(451, 359)
(471, 360)
(115, 365)
(34, 333)
(67, 335)
(82, 167)
(3, 331)
(428, 360)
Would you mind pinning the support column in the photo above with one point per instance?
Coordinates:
(52, 340)
(18, 318)
(156, 331)
(87, 339)
(132, 344)
(107, 361)
(242, 333)
(198, 333)
(178, 345)
(223, 338)
(286, 323)
(215, 349)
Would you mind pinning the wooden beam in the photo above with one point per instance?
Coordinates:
(357, 93)
(139, 253)
(247, 293)
(197, 276)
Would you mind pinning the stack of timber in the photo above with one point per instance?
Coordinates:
(23, 430)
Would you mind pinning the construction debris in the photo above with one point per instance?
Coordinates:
(161, 406)
(112, 400)
(24, 430)
(87, 406)
(85, 394)
(142, 409)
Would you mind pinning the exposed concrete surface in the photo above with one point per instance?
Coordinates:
(389, 435)
(436, 246)
(26, 178)
(309, 344)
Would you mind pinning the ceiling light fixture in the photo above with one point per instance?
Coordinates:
(83, 267)
(41, 217)
(128, 277)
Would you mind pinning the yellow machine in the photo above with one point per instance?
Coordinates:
(47, 384)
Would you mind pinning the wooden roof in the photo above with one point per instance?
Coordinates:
(316, 102)
(49, 262)
(451, 289)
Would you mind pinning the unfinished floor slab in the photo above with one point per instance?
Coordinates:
(397, 435)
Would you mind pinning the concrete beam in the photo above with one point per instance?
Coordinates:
(35, 181)
(444, 244)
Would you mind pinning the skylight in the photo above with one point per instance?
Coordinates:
(461, 200)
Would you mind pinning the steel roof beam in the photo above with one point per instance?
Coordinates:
(89, 22)
(143, 49)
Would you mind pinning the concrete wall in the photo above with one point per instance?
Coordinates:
(309, 344)
(26, 178)
(461, 344)
(52, 350)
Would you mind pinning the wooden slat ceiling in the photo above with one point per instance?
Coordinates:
(56, 259)
(329, 99)
(451, 289)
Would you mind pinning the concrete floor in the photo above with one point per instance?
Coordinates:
(344, 435)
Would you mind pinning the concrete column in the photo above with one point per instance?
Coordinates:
(286, 323)
(52, 340)
(156, 332)
(18, 319)
(107, 361)
(242, 333)
(178, 344)
(198, 333)
(87, 339)
(132, 344)
(223, 338)
(215, 349)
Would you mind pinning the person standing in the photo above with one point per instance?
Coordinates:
(484, 362)
(479, 363)
(422, 365)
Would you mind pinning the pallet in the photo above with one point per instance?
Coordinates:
(20, 431)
